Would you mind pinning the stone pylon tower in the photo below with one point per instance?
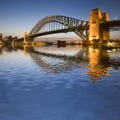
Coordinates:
(96, 30)
(25, 37)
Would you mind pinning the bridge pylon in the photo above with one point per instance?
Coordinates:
(97, 32)
(25, 38)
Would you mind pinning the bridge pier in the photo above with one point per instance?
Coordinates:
(97, 32)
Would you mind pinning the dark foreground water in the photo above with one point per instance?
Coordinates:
(66, 83)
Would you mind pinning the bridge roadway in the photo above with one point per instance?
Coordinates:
(65, 30)
(71, 29)
(112, 25)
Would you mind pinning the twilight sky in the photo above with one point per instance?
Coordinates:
(18, 16)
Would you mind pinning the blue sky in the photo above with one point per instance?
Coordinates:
(18, 16)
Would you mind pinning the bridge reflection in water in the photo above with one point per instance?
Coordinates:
(96, 61)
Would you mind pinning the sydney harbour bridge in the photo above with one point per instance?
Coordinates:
(63, 24)
(98, 27)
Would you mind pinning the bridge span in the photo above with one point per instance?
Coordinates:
(98, 28)
(60, 24)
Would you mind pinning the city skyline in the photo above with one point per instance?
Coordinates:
(20, 16)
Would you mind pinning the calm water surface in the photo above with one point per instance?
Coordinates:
(65, 83)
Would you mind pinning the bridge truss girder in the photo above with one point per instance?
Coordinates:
(113, 25)
(80, 27)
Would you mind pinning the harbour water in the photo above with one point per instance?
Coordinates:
(59, 83)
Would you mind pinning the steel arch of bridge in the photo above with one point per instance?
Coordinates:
(80, 27)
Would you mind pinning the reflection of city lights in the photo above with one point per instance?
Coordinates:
(1, 43)
(94, 82)
(25, 50)
(98, 72)
(0, 50)
(95, 69)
